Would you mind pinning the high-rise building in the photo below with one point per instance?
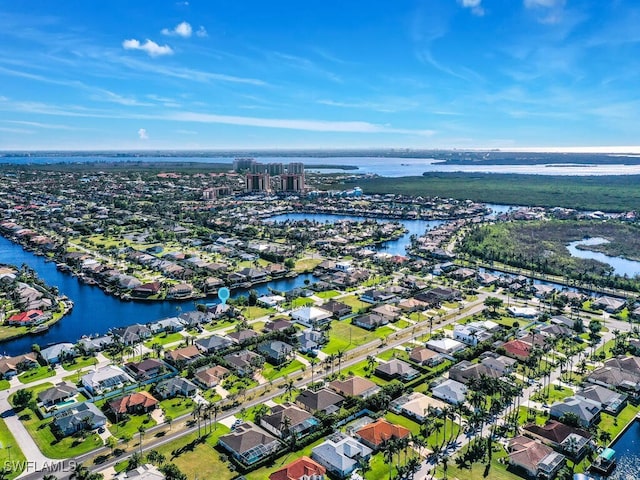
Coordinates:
(275, 169)
(292, 182)
(243, 164)
(258, 182)
(295, 167)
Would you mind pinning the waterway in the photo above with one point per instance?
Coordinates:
(95, 312)
(384, 166)
(621, 266)
(627, 449)
(394, 247)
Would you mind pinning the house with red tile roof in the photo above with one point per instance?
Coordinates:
(30, 317)
(139, 402)
(380, 431)
(300, 469)
(517, 349)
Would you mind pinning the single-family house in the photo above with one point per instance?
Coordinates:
(340, 454)
(56, 394)
(309, 341)
(244, 361)
(142, 472)
(535, 458)
(370, 321)
(213, 344)
(302, 468)
(28, 318)
(416, 405)
(311, 316)
(133, 404)
(175, 386)
(587, 411)
(210, 377)
(81, 416)
(277, 326)
(471, 333)
(425, 356)
(450, 391)
(608, 304)
(354, 387)
(248, 444)
(183, 356)
(337, 309)
(240, 337)
(58, 352)
(275, 351)
(445, 345)
(287, 419)
(105, 378)
(396, 369)
(172, 324)
(12, 366)
(575, 442)
(322, 400)
(610, 401)
(146, 369)
(132, 334)
(375, 434)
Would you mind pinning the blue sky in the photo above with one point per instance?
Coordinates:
(126, 74)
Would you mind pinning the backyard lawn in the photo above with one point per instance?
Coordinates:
(130, 427)
(495, 471)
(344, 336)
(164, 339)
(354, 302)
(176, 407)
(326, 295)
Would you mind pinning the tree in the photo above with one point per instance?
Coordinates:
(290, 263)
(253, 297)
(22, 398)
(493, 303)
(141, 432)
(111, 442)
(135, 460)
(363, 466)
(197, 415)
(289, 388)
(156, 457)
(168, 420)
(171, 472)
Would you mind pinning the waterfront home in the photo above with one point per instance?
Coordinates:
(147, 289)
(27, 319)
(248, 444)
(275, 351)
(535, 458)
(181, 290)
(450, 391)
(425, 356)
(354, 387)
(132, 334)
(287, 419)
(339, 454)
(105, 378)
(57, 394)
(195, 317)
(587, 411)
(486, 279)
(210, 377)
(12, 366)
(609, 304)
(311, 316)
(133, 404)
(243, 362)
(338, 310)
(181, 357)
(172, 325)
(416, 405)
(575, 442)
(323, 400)
(610, 401)
(145, 369)
(375, 434)
(462, 274)
(57, 353)
(213, 344)
(82, 416)
(96, 344)
(370, 321)
(445, 345)
(175, 386)
(302, 468)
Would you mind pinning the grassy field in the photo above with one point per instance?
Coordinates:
(4, 384)
(307, 264)
(175, 407)
(271, 372)
(328, 294)
(354, 302)
(607, 193)
(10, 448)
(254, 312)
(614, 425)
(494, 471)
(343, 336)
(9, 332)
(164, 339)
(130, 428)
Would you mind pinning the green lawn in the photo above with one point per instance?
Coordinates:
(301, 302)
(80, 362)
(344, 336)
(271, 372)
(307, 264)
(4, 384)
(130, 427)
(175, 407)
(234, 384)
(10, 448)
(354, 302)
(393, 353)
(614, 425)
(7, 332)
(264, 472)
(496, 470)
(556, 393)
(164, 339)
(524, 416)
(326, 295)
(404, 422)
(36, 374)
(254, 312)
(50, 446)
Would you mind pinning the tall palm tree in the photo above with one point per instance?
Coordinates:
(216, 410)
(313, 361)
(196, 413)
(364, 467)
(387, 452)
(141, 432)
(339, 356)
(289, 388)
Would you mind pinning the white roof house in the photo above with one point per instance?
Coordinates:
(311, 316)
(445, 345)
(105, 378)
(523, 312)
(271, 300)
(450, 391)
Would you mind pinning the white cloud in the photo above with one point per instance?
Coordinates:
(202, 32)
(149, 46)
(475, 6)
(183, 29)
(142, 134)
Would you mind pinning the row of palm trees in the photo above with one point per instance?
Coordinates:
(207, 413)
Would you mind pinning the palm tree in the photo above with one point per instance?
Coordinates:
(46, 477)
(141, 431)
(196, 413)
(339, 355)
(413, 465)
(371, 362)
(363, 466)
(445, 465)
(289, 388)
(387, 452)
(156, 457)
(313, 361)
(216, 411)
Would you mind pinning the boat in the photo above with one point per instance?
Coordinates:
(40, 328)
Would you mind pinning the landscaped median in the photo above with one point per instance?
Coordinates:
(10, 453)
